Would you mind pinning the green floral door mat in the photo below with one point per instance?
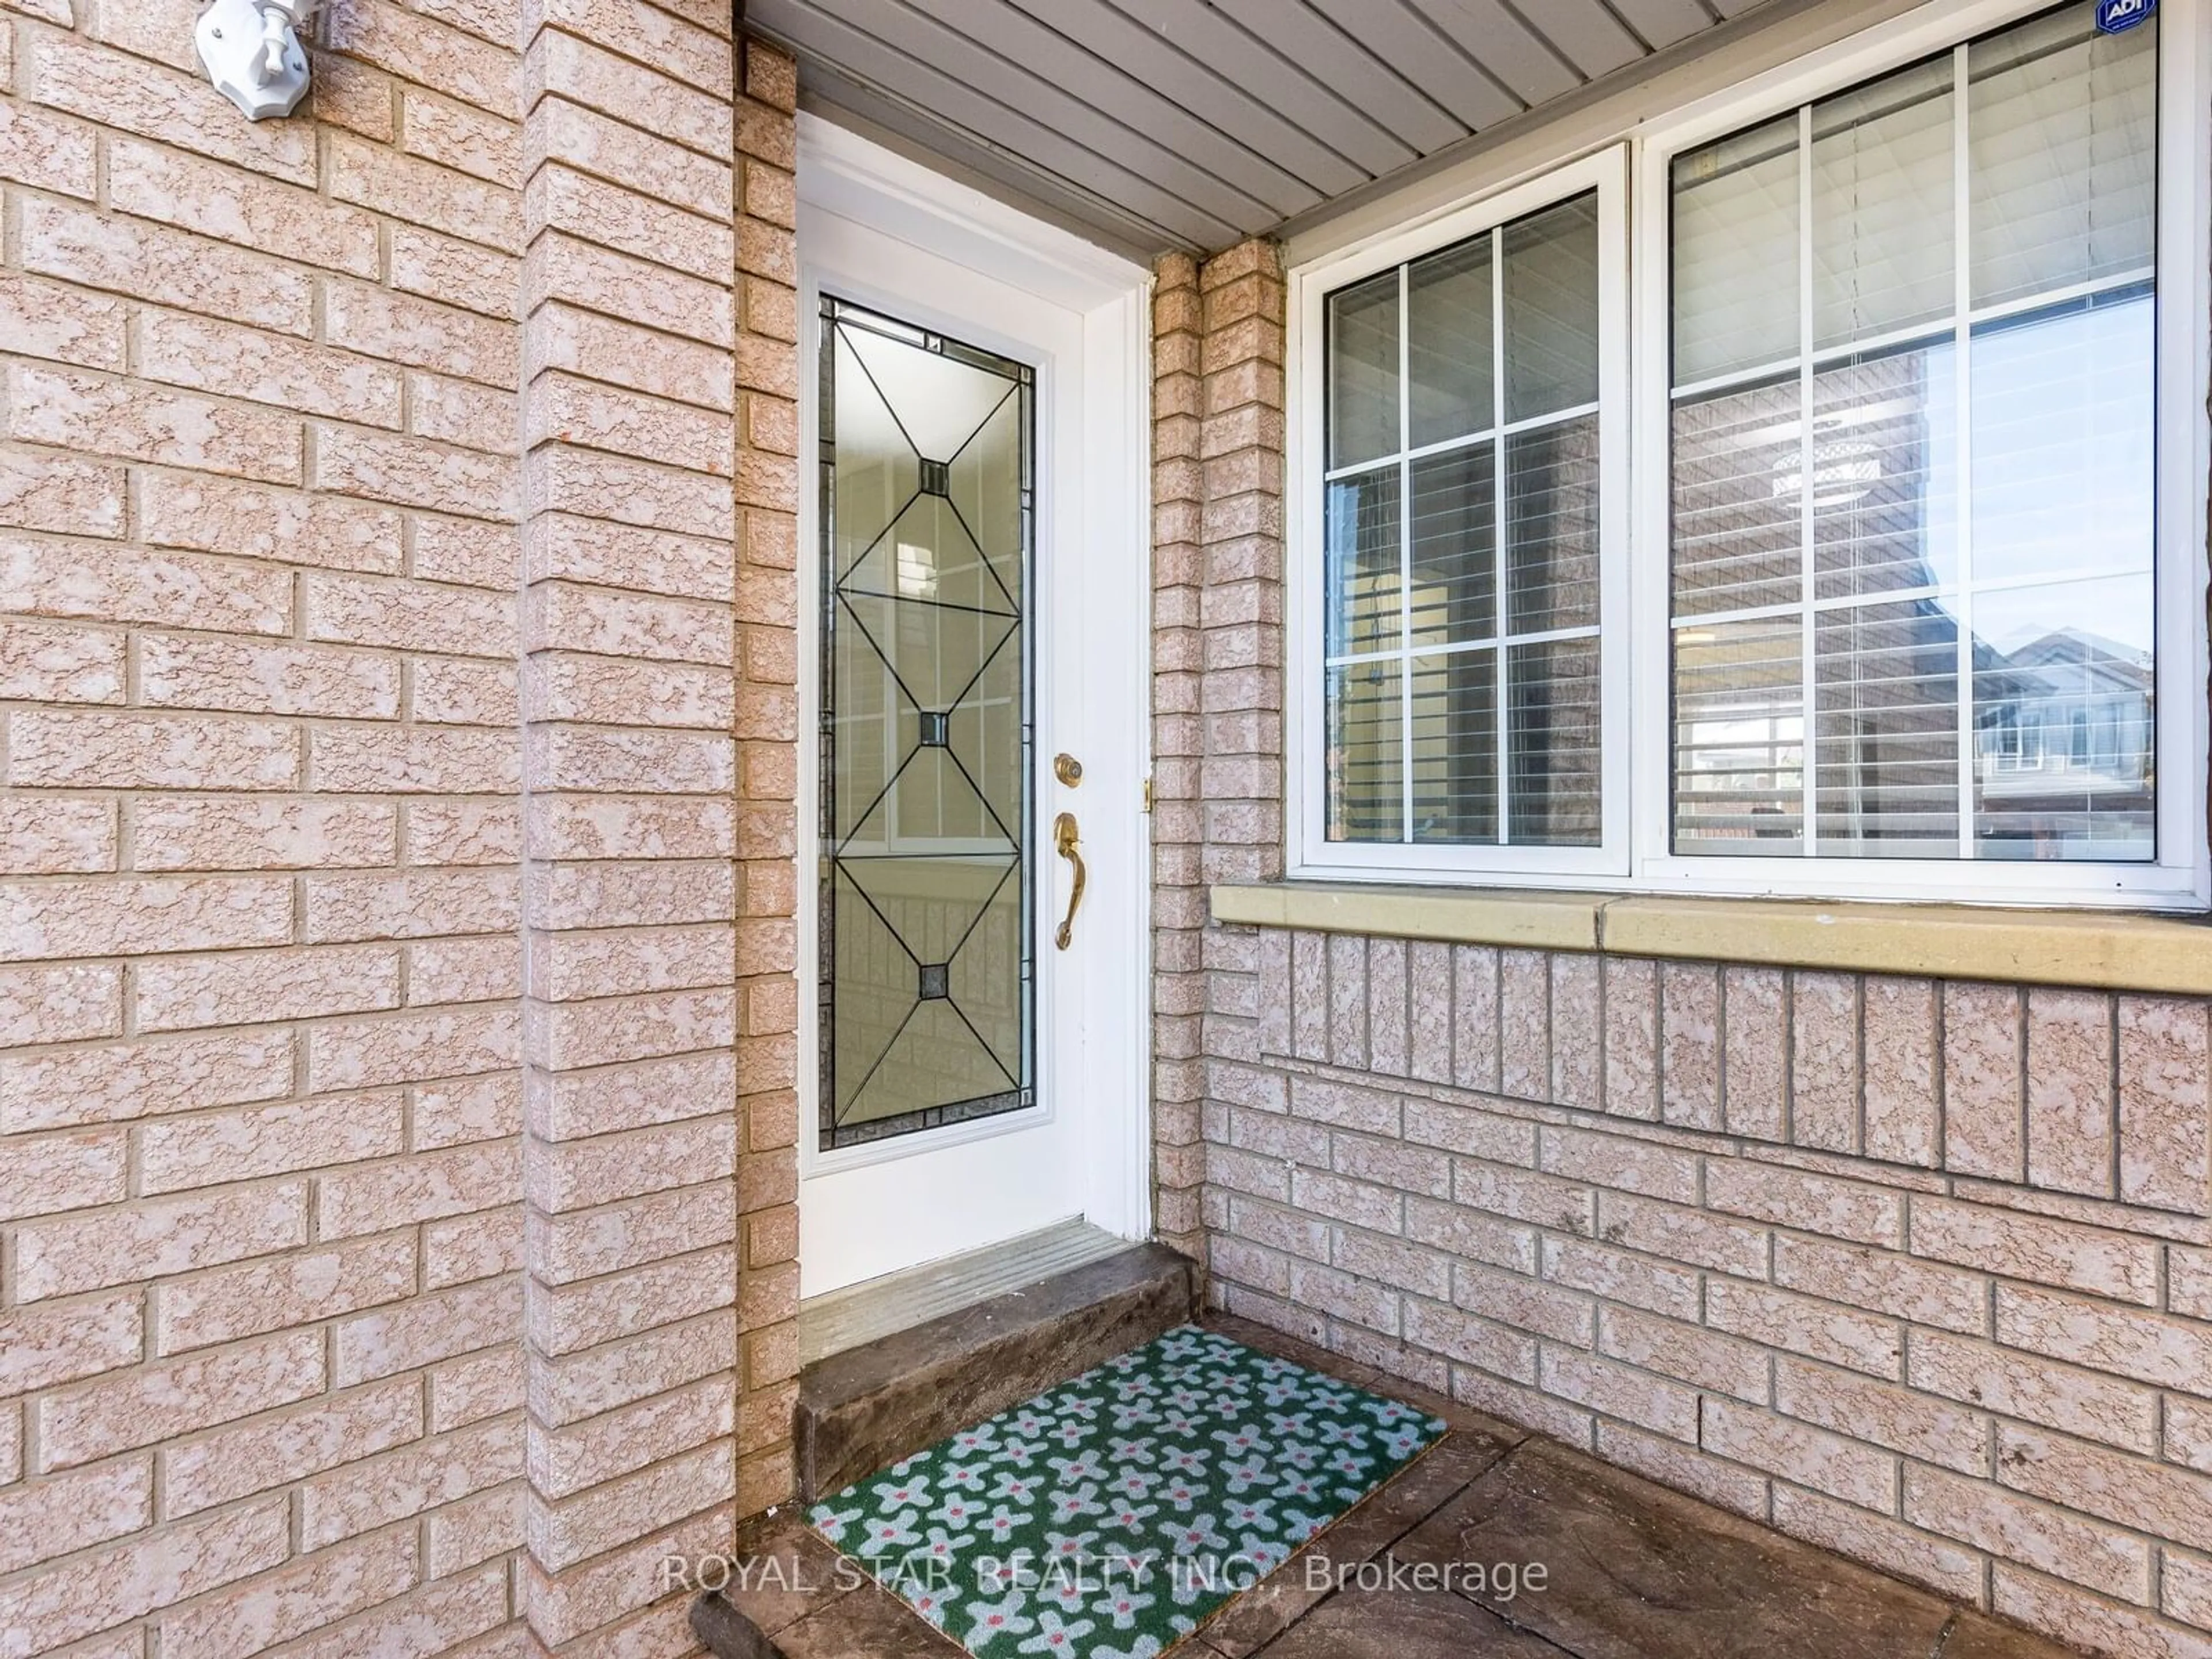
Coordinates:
(1109, 1517)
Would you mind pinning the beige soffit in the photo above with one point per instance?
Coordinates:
(2110, 951)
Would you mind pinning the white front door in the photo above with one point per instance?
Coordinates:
(974, 563)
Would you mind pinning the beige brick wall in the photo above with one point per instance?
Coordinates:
(1919, 1271)
(766, 728)
(1217, 664)
(1178, 753)
(396, 560)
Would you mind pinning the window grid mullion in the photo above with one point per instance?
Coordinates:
(1962, 439)
(1500, 623)
(1805, 450)
(1934, 329)
(1404, 555)
(2058, 578)
(1465, 440)
(1492, 641)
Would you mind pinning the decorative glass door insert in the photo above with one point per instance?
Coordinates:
(927, 980)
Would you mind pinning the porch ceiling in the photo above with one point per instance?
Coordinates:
(1155, 124)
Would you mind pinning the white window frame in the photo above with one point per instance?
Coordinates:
(1306, 600)
(1635, 539)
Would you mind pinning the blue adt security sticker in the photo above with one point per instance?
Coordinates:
(2117, 16)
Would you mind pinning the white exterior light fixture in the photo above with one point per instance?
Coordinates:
(251, 50)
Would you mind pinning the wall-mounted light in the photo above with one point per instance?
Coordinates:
(251, 50)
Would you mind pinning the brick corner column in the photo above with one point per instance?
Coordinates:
(657, 681)
(1240, 626)
(766, 728)
(1178, 754)
(1241, 453)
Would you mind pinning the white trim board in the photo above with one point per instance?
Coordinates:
(844, 173)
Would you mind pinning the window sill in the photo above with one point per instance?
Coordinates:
(2092, 948)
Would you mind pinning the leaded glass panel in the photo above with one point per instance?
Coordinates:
(926, 971)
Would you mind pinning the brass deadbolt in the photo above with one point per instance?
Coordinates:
(1067, 770)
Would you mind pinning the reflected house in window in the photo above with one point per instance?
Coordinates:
(2061, 724)
(2063, 729)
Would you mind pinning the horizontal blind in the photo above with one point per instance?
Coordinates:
(1912, 482)
(2064, 172)
(1735, 210)
(1883, 251)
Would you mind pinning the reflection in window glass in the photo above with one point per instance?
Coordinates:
(1362, 556)
(1550, 518)
(1363, 371)
(1740, 736)
(1455, 548)
(1554, 799)
(1739, 540)
(1462, 680)
(1885, 732)
(2062, 438)
(2063, 720)
(1449, 342)
(1885, 495)
(1455, 746)
(1929, 524)
(1551, 301)
(2062, 123)
(1366, 752)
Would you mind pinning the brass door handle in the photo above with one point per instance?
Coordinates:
(1064, 841)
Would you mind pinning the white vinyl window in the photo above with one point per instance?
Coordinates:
(1912, 528)
(1472, 490)
(1909, 599)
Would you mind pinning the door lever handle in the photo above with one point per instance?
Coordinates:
(1065, 842)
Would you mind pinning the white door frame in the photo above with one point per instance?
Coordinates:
(849, 177)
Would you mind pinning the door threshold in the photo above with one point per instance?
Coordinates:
(876, 1308)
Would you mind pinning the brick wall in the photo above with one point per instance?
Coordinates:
(1918, 1271)
(1217, 663)
(1178, 754)
(766, 728)
(662, 464)
(357, 1277)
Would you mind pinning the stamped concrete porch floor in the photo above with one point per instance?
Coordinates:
(1631, 1571)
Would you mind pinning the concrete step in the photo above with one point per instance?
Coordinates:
(862, 1313)
(867, 1407)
